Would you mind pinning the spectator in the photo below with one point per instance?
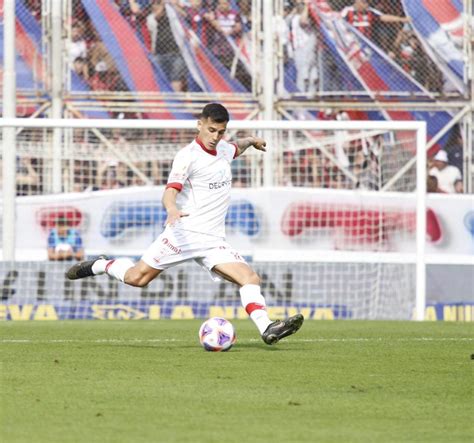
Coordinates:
(246, 15)
(111, 175)
(150, 168)
(81, 68)
(402, 50)
(106, 76)
(35, 8)
(304, 49)
(449, 177)
(77, 46)
(407, 51)
(135, 12)
(80, 174)
(302, 168)
(27, 177)
(228, 24)
(364, 18)
(423, 69)
(282, 30)
(164, 46)
(432, 185)
(196, 20)
(455, 150)
(64, 243)
(367, 170)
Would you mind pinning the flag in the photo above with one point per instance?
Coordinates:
(207, 71)
(30, 61)
(376, 72)
(439, 27)
(130, 55)
(28, 68)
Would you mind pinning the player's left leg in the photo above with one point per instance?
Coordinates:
(250, 295)
(254, 302)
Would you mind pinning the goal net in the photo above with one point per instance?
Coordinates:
(332, 217)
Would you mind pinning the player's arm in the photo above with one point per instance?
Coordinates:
(169, 202)
(244, 143)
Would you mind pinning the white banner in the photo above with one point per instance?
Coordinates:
(125, 222)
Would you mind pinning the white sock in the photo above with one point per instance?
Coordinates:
(98, 268)
(254, 303)
(115, 268)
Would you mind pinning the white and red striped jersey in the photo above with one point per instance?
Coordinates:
(363, 21)
(204, 179)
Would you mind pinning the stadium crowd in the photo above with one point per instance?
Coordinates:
(219, 25)
(224, 26)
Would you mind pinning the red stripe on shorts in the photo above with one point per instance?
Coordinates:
(253, 307)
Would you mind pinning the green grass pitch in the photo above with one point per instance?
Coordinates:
(150, 381)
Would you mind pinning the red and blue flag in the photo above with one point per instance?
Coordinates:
(439, 25)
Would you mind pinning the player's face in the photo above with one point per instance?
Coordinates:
(210, 132)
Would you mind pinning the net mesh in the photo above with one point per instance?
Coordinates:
(326, 198)
(92, 159)
(320, 290)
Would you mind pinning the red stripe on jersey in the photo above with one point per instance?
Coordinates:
(236, 149)
(254, 307)
(209, 151)
(177, 186)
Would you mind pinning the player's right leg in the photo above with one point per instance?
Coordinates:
(122, 269)
(164, 252)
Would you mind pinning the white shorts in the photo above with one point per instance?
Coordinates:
(175, 246)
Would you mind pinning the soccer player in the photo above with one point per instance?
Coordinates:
(196, 200)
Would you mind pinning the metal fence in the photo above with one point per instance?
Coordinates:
(288, 59)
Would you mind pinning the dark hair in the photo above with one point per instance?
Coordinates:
(216, 112)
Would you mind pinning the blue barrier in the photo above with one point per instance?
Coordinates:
(120, 216)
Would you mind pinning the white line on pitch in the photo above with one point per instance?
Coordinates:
(297, 340)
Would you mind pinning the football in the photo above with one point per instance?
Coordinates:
(217, 334)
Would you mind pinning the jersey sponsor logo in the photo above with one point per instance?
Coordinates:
(219, 185)
(170, 245)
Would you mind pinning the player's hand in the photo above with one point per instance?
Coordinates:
(259, 143)
(174, 216)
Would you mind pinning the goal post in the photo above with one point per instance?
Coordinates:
(326, 232)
